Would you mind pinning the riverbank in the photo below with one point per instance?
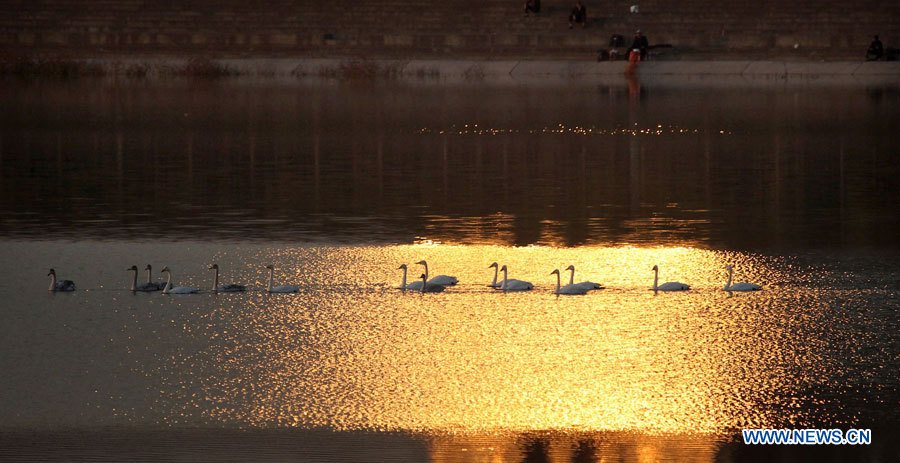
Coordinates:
(461, 70)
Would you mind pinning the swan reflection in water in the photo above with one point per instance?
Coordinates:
(428, 287)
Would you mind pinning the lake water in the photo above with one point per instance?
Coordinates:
(337, 183)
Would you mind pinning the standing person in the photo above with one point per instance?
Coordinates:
(640, 43)
(875, 51)
(578, 15)
(533, 6)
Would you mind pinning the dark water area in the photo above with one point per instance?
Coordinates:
(337, 183)
(780, 167)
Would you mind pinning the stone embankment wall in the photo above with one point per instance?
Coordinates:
(802, 30)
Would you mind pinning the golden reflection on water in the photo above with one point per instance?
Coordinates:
(575, 447)
(351, 351)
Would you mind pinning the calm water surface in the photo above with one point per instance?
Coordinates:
(337, 184)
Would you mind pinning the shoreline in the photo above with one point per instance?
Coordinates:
(455, 70)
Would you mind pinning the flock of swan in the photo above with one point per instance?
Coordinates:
(440, 282)
(167, 287)
(434, 285)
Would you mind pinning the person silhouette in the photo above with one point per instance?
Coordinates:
(875, 51)
(578, 14)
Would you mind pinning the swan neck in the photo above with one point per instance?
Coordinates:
(148, 275)
(426, 271)
(655, 279)
(572, 276)
(271, 276)
(557, 283)
(216, 282)
(52, 281)
(403, 284)
(503, 286)
(494, 283)
(728, 284)
(134, 281)
(168, 283)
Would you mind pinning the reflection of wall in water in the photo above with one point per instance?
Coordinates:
(351, 163)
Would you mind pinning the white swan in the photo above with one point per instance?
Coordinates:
(496, 268)
(568, 289)
(177, 289)
(415, 286)
(282, 288)
(428, 287)
(514, 285)
(440, 279)
(743, 286)
(143, 286)
(668, 286)
(495, 284)
(150, 283)
(65, 285)
(585, 284)
(229, 288)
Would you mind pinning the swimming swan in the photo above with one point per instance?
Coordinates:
(743, 286)
(415, 286)
(497, 285)
(143, 286)
(586, 284)
(440, 279)
(514, 285)
(229, 288)
(428, 287)
(279, 289)
(65, 285)
(496, 268)
(177, 289)
(159, 284)
(568, 289)
(669, 286)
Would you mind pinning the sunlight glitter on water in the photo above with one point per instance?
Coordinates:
(353, 352)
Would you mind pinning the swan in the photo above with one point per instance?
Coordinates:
(415, 286)
(279, 289)
(159, 284)
(496, 268)
(428, 287)
(143, 286)
(65, 285)
(669, 286)
(440, 279)
(497, 285)
(229, 288)
(514, 285)
(743, 286)
(586, 284)
(568, 289)
(168, 289)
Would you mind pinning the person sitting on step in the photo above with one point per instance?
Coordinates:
(578, 15)
(875, 51)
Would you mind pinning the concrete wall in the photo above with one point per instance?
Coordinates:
(469, 29)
